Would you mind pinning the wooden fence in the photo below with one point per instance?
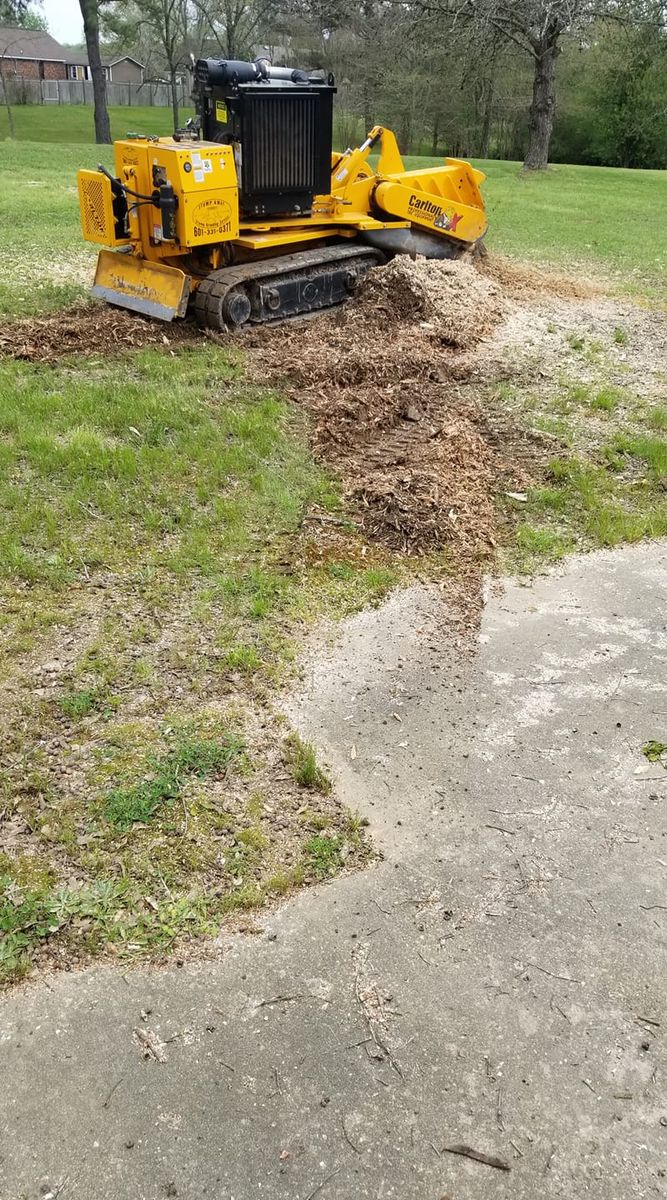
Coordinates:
(79, 91)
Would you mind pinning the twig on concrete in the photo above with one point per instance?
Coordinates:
(566, 978)
(502, 829)
(116, 1085)
(648, 1021)
(285, 999)
(547, 1165)
(499, 1110)
(321, 1185)
(276, 1078)
(379, 1042)
(347, 1137)
(649, 907)
(560, 1010)
(489, 1160)
(519, 1152)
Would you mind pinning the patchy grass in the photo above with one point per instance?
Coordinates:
(590, 504)
(155, 569)
(606, 482)
(165, 778)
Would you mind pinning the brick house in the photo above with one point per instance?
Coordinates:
(33, 54)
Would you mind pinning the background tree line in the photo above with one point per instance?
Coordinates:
(581, 81)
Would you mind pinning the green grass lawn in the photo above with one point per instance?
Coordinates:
(70, 123)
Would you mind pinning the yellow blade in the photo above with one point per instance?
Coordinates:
(153, 289)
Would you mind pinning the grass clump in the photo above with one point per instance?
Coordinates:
(302, 762)
(323, 854)
(79, 704)
(606, 399)
(126, 806)
(243, 658)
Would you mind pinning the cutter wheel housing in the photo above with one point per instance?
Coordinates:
(247, 215)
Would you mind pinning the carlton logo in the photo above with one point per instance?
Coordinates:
(421, 207)
(211, 216)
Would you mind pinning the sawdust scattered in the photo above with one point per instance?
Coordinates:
(519, 281)
(87, 329)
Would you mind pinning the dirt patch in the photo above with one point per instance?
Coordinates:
(88, 329)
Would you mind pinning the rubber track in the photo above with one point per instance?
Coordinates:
(218, 283)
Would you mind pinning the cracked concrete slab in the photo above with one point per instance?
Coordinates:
(497, 981)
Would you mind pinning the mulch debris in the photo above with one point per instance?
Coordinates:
(88, 329)
(389, 384)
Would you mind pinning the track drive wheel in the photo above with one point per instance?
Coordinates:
(216, 306)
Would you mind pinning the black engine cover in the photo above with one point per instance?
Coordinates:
(281, 132)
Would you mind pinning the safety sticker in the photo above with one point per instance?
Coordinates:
(221, 112)
(199, 175)
(207, 164)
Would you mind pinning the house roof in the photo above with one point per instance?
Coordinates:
(34, 44)
(111, 62)
(19, 43)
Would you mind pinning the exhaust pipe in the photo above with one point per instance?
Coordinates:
(221, 72)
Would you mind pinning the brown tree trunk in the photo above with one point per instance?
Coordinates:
(485, 134)
(91, 29)
(541, 116)
(10, 115)
(436, 135)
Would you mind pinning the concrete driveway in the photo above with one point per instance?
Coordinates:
(496, 985)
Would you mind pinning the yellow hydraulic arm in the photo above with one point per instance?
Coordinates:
(444, 199)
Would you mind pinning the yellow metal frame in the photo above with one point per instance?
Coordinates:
(157, 276)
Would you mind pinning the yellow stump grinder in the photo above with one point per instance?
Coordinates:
(246, 214)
